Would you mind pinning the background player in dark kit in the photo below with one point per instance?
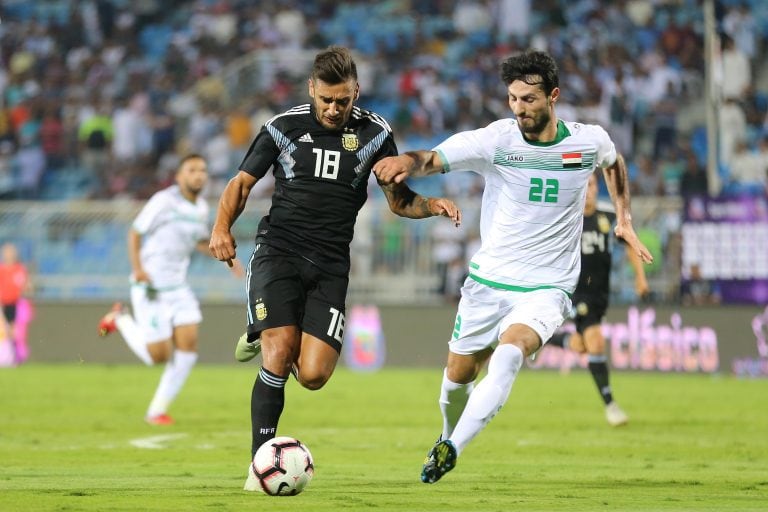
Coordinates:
(590, 300)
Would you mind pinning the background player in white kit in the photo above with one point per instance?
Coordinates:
(536, 168)
(171, 226)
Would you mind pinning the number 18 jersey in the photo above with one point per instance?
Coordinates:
(533, 201)
(321, 179)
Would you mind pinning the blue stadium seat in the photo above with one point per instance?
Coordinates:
(154, 40)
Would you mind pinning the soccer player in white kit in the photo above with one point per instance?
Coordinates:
(536, 169)
(171, 226)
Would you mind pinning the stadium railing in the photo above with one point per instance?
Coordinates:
(77, 251)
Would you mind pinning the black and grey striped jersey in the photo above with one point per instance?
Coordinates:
(321, 177)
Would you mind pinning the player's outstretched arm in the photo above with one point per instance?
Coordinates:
(397, 169)
(617, 180)
(406, 203)
(231, 205)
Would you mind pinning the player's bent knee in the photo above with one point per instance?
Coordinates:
(313, 382)
(160, 352)
(277, 359)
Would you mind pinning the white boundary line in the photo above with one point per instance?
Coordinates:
(155, 442)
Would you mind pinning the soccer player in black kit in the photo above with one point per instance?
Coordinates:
(590, 299)
(321, 154)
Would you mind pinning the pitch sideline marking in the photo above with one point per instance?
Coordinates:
(155, 442)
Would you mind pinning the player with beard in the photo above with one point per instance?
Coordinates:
(518, 292)
(166, 314)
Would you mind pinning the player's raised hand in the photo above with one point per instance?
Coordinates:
(393, 169)
(446, 208)
(223, 246)
(626, 232)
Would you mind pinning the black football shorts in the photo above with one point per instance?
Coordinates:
(589, 311)
(286, 289)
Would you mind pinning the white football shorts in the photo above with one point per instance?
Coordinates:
(156, 317)
(484, 313)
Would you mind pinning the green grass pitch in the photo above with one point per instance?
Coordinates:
(72, 438)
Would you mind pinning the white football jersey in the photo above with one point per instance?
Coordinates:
(533, 202)
(170, 227)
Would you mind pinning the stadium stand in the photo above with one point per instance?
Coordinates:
(100, 98)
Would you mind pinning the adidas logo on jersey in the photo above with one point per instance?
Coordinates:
(306, 138)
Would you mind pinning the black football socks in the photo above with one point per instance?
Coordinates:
(267, 401)
(598, 367)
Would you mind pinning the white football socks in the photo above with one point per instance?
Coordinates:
(489, 395)
(133, 337)
(173, 379)
(453, 399)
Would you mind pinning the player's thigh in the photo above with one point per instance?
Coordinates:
(325, 308)
(279, 348)
(185, 337)
(185, 317)
(152, 316)
(322, 327)
(316, 362)
(534, 318)
(464, 368)
(523, 336)
(160, 351)
(589, 317)
(479, 312)
(594, 340)
(276, 292)
(576, 343)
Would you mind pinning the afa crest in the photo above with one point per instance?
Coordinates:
(603, 224)
(349, 141)
(582, 309)
(260, 310)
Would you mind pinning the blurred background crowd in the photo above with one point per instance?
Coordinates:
(100, 98)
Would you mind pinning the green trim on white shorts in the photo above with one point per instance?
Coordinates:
(513, 288)
(160, 288)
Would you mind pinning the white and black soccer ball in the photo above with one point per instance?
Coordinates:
(283, 466)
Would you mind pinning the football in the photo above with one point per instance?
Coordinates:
(283, 466)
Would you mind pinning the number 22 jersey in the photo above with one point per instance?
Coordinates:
(533, 200)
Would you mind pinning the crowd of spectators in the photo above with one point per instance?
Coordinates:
(101, 97)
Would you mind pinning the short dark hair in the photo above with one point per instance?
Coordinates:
(334, 65)
(187, 158)
(532, 67)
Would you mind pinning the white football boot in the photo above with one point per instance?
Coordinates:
(615, 416)
(251, 483)
(245, 351)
